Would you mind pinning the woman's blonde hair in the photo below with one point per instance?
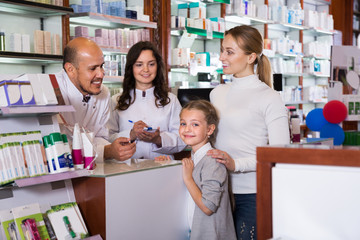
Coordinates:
(250, 41)
(210, 113)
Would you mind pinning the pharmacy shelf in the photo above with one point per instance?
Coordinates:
(114, 51)
(318, 32)
(20, 111)
(113, 79)
(29, 58)
(33, 8)
(101, 20)
(286, 55)
(201, 34)
(209, 2)
(318, 2)
(199, 69)
(317, 57)
(306, 102)
(24, 182)
(317, 75)
(287, 27)
(245, 19)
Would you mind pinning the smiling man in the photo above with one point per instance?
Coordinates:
(81, 85)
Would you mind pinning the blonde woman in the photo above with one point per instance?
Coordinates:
(251, 114)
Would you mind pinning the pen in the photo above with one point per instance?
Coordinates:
(130, 121)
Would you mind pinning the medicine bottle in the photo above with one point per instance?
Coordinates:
(2, 40)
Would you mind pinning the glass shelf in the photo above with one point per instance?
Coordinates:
(244, 19)
(24, 182)
(318, 32)
(114, 51)
(101, 20)
(317, 57)
(208, 2)
(318, 75)
(29, 58)
(113, 79)
(19, 111)
(287, 27)
(199, 69)
(35, 9)
(284, 55)
(203, 32)
(307, 102)
(318, 2)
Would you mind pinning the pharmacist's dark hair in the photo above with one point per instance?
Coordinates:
(250, 41)
(161, 89)
(211, 115)
(70, 56)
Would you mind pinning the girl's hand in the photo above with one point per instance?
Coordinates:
(163, 159)
(188, 167)
(222, 157)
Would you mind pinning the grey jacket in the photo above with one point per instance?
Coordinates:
(212, 179)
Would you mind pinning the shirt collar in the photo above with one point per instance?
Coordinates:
(200, 153)
(247, 81)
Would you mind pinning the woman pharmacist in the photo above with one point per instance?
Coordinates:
(146, 110)
(251, 114)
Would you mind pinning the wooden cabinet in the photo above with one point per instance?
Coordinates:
(300, 156)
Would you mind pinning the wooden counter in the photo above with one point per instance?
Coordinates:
(268, 157)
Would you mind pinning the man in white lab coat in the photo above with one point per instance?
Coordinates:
(81, 86)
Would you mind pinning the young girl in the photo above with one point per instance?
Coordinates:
(209, 210)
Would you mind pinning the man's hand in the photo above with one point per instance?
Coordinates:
(121, 149)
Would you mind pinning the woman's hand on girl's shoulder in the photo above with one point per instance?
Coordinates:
(222, 157)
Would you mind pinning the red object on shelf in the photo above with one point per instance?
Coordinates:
(335, 111)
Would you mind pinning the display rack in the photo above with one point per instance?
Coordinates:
(30, 8)
(24, 182)
(107, 21)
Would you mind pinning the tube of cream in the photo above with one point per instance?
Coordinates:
(88, 150)
(76, 153)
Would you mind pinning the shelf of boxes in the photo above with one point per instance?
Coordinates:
(33, 8)
(107, 21)
(34, 110)
(113, 79)
(29, 58)
(24, 182)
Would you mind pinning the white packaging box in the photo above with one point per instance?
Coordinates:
(112, 39)
(81, 31)
(10, 94)
(15, 42)
(119, 36)
(47, 88)
(56, 44)
(43, 90)
(197, 10)
(104, 34)
(47, 42)
(27, 94)
(39, 42)
(183, 10)
(175, 56)
(25, 43)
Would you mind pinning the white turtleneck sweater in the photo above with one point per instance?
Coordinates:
(144, 108)
(251, 115)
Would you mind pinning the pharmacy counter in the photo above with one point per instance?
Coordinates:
(135, 199)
